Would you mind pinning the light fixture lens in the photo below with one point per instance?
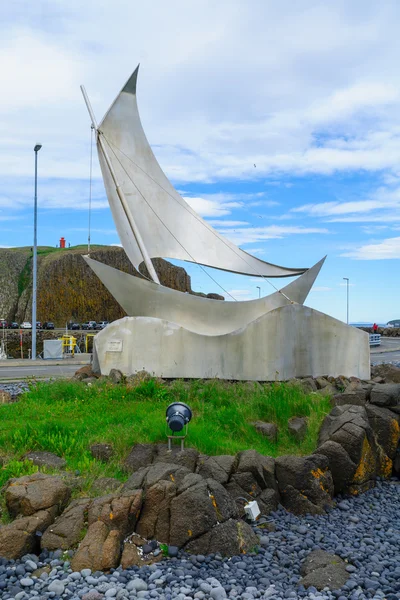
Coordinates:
(178, 415)
(37, 147)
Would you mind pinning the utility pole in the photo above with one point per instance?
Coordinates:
(34, 284)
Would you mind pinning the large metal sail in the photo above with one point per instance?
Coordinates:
(168, 226)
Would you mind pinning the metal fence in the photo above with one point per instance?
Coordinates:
(374, 339)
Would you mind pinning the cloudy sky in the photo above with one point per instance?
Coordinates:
(278, 121)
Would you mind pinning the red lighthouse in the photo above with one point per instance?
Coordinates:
(62, 242)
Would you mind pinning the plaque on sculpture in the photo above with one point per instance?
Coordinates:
(114, 346)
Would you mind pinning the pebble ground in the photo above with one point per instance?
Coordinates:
(363, 530)
(15, 389)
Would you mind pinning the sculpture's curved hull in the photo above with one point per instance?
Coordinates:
(289, 341)
(141, 298)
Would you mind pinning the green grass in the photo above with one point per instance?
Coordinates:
(66, 417)
(24, 277)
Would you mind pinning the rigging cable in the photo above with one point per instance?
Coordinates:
(90, 185)
(199, 219)
(169, 231)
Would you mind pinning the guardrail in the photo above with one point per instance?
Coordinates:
(374, 339)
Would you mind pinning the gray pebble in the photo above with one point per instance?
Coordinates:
(218, 593)
(57, 587)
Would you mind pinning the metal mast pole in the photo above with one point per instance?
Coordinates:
(34, 283)
(121, 194)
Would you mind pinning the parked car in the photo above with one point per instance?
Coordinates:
(48, 325)
(38, 325)
(101, 324)
(92, 325)
(85, 325)
(3, 324)
(26, 325)
(75, 326)
(14, 325)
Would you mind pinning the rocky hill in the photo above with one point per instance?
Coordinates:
(68, 290)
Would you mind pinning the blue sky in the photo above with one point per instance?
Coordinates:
(308, 92)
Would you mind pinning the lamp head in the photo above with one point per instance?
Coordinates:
(178, 415)
(37, 147)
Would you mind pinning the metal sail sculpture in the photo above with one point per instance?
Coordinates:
(153, 220)
(168, 226)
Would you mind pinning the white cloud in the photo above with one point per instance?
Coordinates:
(338, 208)
(346, 102)
(211, 208)
(317, 104)
(249, 235)
(222, 223)
(382, 206)
(386, 249)
(36, 71)
(220, 204)
(16, 194)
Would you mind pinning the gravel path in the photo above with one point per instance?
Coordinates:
(15, 389)
(365, 531)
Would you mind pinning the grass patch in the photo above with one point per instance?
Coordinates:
(66, 417)
(24, 277)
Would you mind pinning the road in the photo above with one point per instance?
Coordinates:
(388, 351)
(385, 357)
(13, 372)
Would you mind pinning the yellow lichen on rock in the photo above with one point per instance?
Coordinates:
(367, 466)
(394, 435)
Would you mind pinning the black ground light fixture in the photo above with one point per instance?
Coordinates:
(178, 415)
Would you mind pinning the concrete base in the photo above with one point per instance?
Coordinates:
(290, 341)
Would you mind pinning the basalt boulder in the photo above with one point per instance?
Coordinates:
(154, 519)
(68, 529)
(22, 536)
(119, 512)
(261, 467)
(141, 455)
(100, 549)
(46, 459)
(349, 427)
(305, 483)
(215, 467)
(341, 466)
(386, 394)
(385, 425)
(297, 427)
(32, 493)
(148, 476)
(228, 539)
(323, 570)
(355, 397)
(185, 458)
(102, 452)
(197, 510)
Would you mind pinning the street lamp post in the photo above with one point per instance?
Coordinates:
(259, 291)
(34, 284)
(347, 286)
